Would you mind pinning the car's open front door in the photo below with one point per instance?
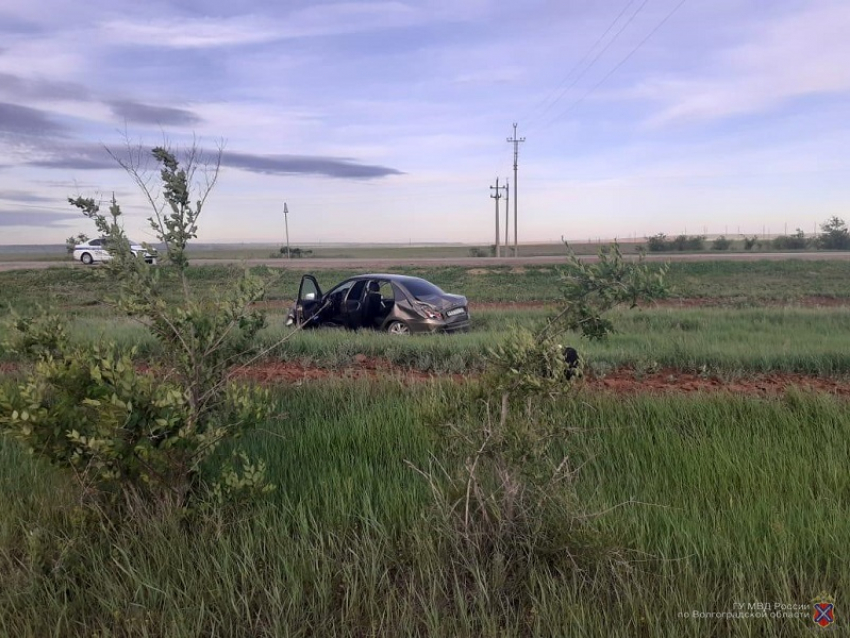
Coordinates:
(309, 301)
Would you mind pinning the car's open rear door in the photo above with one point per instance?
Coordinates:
(309, 301)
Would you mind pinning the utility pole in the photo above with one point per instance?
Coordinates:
(286, 221)
(507, 208)
(497, 196)
(515, 141)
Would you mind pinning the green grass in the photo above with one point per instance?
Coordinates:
(724, 341)
(712, 500)
(81, 290)
(735, 499)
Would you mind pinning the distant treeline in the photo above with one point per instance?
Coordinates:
(834, 236)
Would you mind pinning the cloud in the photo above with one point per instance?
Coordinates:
(22, 196)
(71, 155)
(306, 165)
(779, 62)
(322, 20)
(34, 218)
(40, 89)
(138, 113)
(88, 156)
(23, 120)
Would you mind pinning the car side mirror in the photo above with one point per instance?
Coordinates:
(310, 296)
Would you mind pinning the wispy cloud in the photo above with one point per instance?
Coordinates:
(41, 89)
(306, 165)
(321, 20)
(22, 196)
(34, 218)
(138, 113)
(793, 56)
(23, 120)
(48, 153)
(70, 155)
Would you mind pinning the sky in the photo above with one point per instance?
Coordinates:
(388, 121)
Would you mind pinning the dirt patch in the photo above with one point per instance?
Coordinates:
(509, 305)
(519, 270)
(812, 301)
(362, 367)
(626, 381)
(621, 381)
(477, 271)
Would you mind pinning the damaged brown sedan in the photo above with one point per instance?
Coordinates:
(397, 304)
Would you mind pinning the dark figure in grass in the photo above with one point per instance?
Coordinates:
(573, 363)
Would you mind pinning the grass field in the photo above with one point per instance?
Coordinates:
(707, 502)
(728, 342)
(733, 283)
(673, 504)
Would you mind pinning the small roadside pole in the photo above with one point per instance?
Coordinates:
(497, 196)
(286, 221)
(507, 207)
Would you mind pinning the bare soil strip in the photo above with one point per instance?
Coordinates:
(621, 381)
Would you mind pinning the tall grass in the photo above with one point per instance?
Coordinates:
(80, 289)
(713, 500)
(722, 341)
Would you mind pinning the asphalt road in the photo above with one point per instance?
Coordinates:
(306, 265)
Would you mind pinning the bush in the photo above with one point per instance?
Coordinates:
(72, 242)
(797, 241)
(116, 428)
(511, 502)
(689, 243)
(750, 242)
(721, 243)
(658, 243)
(835, 235)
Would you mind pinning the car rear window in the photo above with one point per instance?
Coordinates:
(421, 288)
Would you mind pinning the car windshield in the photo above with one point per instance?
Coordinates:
(420, 288)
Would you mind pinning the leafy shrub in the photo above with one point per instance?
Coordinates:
(797, 241)
(510, 503)
(721, 243)
(88, 409)
(834, 235)
(658, 243)
(750, 242)
(689, 243)
(72, 242)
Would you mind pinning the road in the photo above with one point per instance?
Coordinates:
(308, 264)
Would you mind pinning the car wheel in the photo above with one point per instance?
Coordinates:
(86, 258)
(398, 328)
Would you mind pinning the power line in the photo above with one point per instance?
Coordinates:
(581, 61)
(617, 66)
(596, 57)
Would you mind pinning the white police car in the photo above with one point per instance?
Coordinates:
(96, 250)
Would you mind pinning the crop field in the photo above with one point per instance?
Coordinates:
(706, 487)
